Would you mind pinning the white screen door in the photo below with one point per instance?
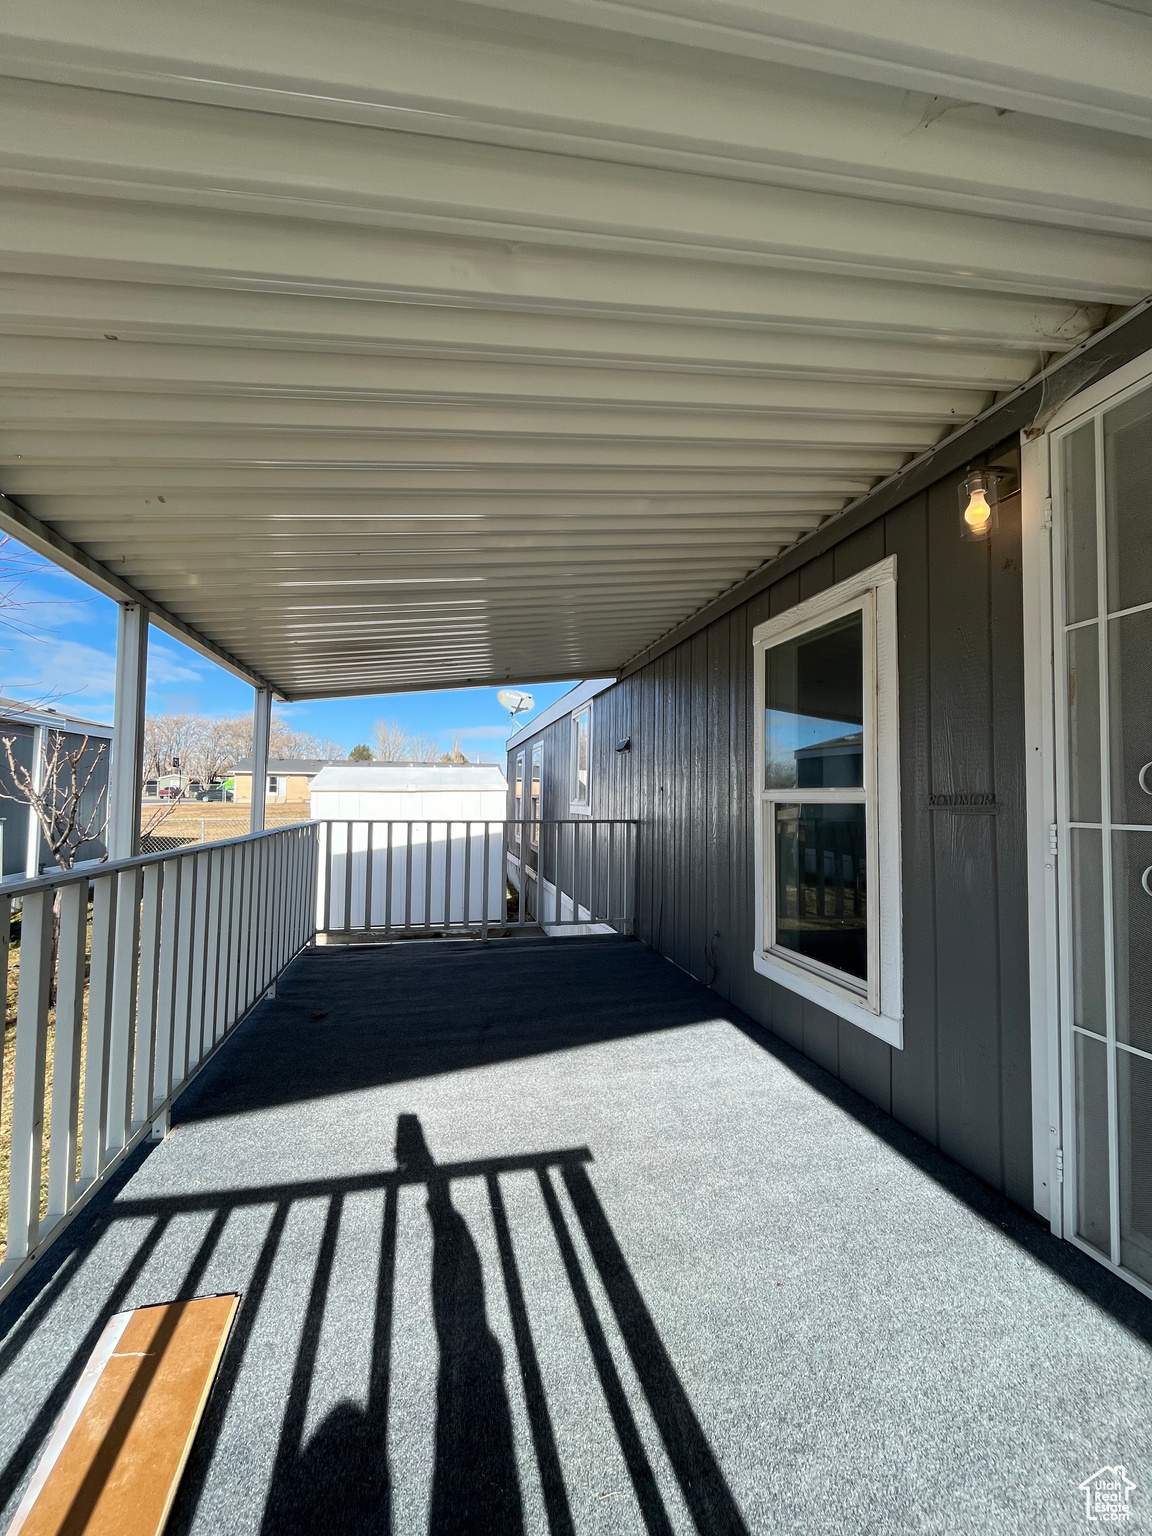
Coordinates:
(1102, 608)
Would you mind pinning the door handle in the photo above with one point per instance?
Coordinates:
(1144, 881)
(1140, 779)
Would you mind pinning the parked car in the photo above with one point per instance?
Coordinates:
(218, 793)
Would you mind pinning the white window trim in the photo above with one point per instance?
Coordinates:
(574, 806)
(518, 798)
(534, 817)
(879, 1009)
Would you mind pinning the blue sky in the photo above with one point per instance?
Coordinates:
(63, 650)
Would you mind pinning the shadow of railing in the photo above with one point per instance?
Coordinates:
(338, 1479)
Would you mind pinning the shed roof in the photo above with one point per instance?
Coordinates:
(285, 765)
(396, 778)
(386, 347)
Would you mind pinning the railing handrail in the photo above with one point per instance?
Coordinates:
(97, 870)
(492, 821)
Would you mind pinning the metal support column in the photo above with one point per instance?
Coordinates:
(261, 726)
(127, 775)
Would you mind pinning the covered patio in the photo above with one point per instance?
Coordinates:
(539, 1235)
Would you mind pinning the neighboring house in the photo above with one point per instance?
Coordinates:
(289, 779)
(24, 851)
(427, 825)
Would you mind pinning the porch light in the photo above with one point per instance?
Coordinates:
(978, 499)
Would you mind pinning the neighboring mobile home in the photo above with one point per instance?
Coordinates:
(877, 780)
(289, 780)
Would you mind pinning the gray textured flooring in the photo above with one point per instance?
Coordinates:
(685, 1282)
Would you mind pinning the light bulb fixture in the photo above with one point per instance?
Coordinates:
(978, 502)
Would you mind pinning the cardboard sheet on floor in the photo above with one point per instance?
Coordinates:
(114, 1460)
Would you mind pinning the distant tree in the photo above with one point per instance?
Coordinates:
(456, 755)
(395, 743)
(360, 753)
(208, 747)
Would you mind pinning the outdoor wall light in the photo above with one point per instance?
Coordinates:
(978, 501)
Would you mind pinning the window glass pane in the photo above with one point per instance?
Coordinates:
(814, 708)
(1134, 1092)
(1129, 715)
(1084, 724)
(534, 792)
(1093, 1222)
(1088, 930)
(1079, 455)
(821, 892)
(1127, 497)
(1132, 936)
(581, 731)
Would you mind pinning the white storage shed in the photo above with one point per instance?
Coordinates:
(404, 843)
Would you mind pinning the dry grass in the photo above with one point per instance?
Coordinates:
(212, 821)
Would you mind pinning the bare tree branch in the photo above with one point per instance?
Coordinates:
(58, 802)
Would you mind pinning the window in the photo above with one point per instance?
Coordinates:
(273, 784)
(828, 802)
(580, 763)
(518, 800)
(535, 793)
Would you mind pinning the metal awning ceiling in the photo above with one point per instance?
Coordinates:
(385, 346)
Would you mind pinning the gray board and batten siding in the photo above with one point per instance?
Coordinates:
(963, 1078)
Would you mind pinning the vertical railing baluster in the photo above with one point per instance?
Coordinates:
(99, 1022)
(72, 953)
(166, 982)
(126, 949)
(388, 883)
(447, 903)
(427, 874)
(212, 950)
(200, 914)
(486, 879)
(185, 968)
(467, 911)
(142, 1067)
(408, 882)
(369, 855)
(349, 830)
(26, 1159)
(326, 908)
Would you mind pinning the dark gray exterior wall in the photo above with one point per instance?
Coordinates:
(963, 1077)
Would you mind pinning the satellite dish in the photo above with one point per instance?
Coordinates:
(515, 702)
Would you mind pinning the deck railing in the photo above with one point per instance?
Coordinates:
(474, 876)
(129, 976)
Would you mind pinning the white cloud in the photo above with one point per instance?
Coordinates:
(164, 668)
(64, 671)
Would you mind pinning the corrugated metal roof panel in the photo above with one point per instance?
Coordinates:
(460, 342)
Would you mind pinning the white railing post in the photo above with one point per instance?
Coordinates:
(72, 953)
(28, 1085)
(99, 1023)
(261, 726)
(127, 772)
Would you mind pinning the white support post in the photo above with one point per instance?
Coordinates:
(261, 726)
(35, 834)
(126, 780)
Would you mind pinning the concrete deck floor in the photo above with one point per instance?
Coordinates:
(686, 1282)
